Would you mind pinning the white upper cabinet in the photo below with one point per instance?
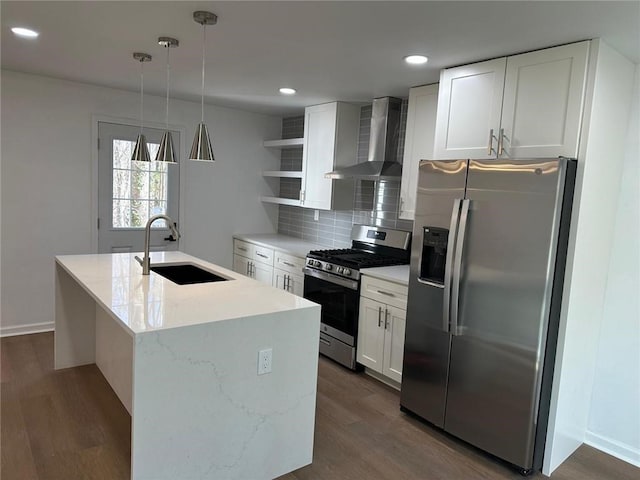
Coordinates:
(330, 141)
(527, 105)
(469, 106)
(543, 98)
(418, 143)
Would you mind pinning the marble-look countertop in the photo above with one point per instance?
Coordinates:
(397, 273)
(150, 303)
(283, 243)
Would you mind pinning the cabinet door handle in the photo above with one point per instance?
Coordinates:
(490, 147)
(379, 317)
(386, 321)
(382, 292)
(501, 142)
(287, 280)
(252, 270)
(248, 263)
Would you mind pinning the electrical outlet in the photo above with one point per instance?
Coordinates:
(316, 215)
(264, 361)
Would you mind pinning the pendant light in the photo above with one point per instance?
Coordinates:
(141, 151)
(201, 148)
(166, 152)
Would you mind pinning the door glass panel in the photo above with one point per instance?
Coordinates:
(139, 188)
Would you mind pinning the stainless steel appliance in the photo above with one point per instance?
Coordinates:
(487, 269)
(332, 279)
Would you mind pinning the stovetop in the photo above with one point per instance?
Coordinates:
(354, 258)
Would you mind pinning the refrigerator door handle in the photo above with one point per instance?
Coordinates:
(448, 267)
(455, 288)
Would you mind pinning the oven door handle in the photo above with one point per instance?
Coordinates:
(343, 282)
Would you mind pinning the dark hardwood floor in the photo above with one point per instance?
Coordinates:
(69, 424)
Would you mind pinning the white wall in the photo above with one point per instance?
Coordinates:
(614, 418)
(47, 173)
(600, 167)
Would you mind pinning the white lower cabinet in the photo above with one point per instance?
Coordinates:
(253, 261)
(287, 273)
(288, 281)
(270, 266)
(381, 328)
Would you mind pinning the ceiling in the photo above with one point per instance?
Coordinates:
(349, 51)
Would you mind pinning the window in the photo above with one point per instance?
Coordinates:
(139, 188)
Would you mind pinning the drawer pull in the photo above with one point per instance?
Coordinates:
(326, 342)
(382, 292)
(242, 249)
(262, 255)
(288, 264)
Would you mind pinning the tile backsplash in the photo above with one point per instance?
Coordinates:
(376, 203)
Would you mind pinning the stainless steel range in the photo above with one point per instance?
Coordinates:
(332, 279)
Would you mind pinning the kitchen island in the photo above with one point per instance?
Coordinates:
(183, 359)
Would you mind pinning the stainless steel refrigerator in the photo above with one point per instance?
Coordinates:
(487, 269)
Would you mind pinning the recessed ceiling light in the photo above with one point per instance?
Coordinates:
(416, 59)
(287, 91)
(24, 32)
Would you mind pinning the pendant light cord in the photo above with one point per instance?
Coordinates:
(204, 41)
(141, 95)
(168, 72)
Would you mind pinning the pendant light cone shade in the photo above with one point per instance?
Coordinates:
(166, 152)
(201, 148)
(140, 151)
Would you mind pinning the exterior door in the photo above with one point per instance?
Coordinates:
(469, 109)
(427, 339)
(131, 192)
(543, 102)
(506, 253)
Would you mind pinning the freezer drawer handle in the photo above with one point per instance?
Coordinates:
(455, 294)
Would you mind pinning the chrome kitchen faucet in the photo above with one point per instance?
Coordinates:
(146, 261)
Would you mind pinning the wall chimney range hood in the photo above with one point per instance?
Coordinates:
(381, 163)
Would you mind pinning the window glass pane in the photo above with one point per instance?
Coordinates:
(122, 150)
(139, 213)
(121, 183)
(121, 213)
(139, 185)
(158, 207)
(158, 186)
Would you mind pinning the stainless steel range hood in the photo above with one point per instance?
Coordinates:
(383, 145)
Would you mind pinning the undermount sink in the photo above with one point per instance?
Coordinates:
(186, 274)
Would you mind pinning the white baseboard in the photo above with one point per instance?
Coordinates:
(619, 450)
(26, 329)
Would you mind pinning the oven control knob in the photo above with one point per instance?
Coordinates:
(340, 269)
(317, 263)
(328, 267)
(310, 262)
(346, 271)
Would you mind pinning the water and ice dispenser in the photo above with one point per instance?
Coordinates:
(434, 254)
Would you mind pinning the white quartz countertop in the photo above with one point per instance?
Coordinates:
(291, 245)
(396, 273)
(149, 303)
